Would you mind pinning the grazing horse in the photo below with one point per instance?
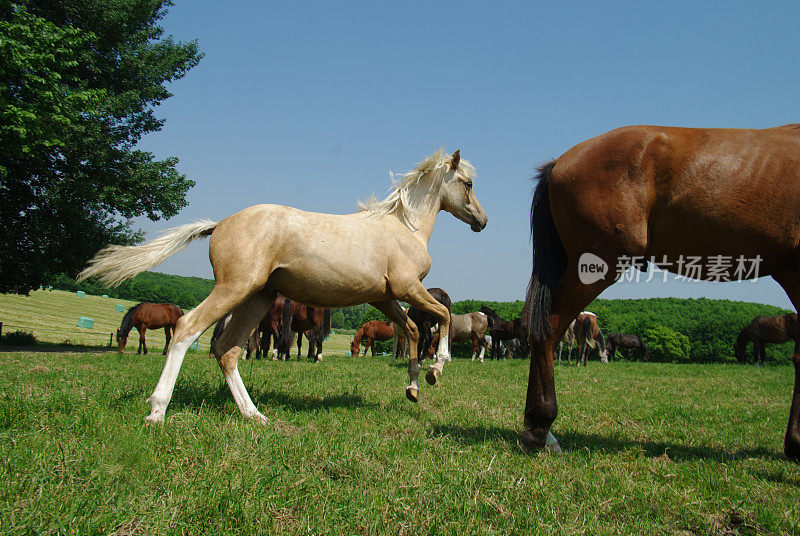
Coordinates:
(569, 338)
(729, 196)
(589, 336)
(627, 342)
(425, 322)
(369, 332)
(148, 316)
(469, 327)
(765, 329)
(298, 318)
(501, 330)
(256, 253)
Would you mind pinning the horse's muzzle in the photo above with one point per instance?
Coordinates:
(477, 227)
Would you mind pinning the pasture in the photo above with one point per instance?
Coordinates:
(649, 448)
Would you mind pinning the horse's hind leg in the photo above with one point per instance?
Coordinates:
(541, 408)
(188, 329)
(791, 440)
(142, 342)
(230, 344)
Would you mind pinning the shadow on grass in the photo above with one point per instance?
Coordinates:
(574, 442)
(214, 398)
(44, 347)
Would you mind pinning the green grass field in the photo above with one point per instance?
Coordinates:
(649, 449)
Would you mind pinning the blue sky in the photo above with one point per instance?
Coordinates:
(312, 104)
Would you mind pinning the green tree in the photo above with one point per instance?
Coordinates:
(665, 344)
(78, 83)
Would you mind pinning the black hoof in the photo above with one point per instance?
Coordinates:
(532, 442)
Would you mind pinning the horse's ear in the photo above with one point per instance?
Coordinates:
(455, 159)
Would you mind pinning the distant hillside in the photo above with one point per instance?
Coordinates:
(680, 330)
(186, 292)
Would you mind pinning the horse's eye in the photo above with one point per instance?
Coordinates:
(468, 185)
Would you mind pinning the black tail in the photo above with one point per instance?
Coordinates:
(549, 260)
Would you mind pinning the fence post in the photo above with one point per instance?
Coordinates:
(110, 340)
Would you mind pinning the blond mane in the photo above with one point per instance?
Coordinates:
(431, 170)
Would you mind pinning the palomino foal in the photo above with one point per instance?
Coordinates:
(265, 249)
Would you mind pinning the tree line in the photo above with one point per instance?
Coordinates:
(675, 330)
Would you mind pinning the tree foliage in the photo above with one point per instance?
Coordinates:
(78, 84)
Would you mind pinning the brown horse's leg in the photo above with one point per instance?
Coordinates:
(168, 336)
(541, 408)
(142, 342)
(791, 440)
(299, 343)
(396, 314)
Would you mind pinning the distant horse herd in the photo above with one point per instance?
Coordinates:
(643, 192)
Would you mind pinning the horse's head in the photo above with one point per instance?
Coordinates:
(458, 196)
(122, 339)
(355, 347)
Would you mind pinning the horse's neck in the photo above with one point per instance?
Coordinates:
(424, 204)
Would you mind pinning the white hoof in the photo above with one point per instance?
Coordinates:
(552, 445)
(258, 417)
(154, 418)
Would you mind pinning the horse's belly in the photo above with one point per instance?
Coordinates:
(330, 286)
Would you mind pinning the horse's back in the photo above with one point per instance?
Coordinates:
(649, 189)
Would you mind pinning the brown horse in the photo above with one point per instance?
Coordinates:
(148, 316)
(626, 341)
(369, 332)
(298, 319)
(658, 193)
(589, 336)
(500, 330)
(765, 329)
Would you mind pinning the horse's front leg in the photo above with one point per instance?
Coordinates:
(396, 314)
(418, 296)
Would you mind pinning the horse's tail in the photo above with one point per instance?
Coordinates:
(549, 260)
(285, 343)
(587, 332)
(326, 323)
(114, 264)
